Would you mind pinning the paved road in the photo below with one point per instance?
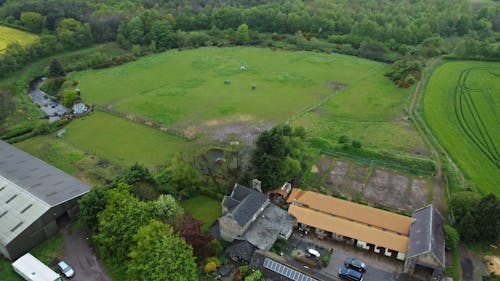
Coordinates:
(78, 253)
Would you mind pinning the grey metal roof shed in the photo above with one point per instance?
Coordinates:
(33, 194)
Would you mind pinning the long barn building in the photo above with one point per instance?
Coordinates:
(34, 196)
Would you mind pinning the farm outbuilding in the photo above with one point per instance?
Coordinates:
(426, 255)
(35, 197)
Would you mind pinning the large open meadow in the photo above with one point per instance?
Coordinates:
(186, 90)
(462, 106)
(9, 35)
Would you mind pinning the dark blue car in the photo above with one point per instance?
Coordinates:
(350, 274)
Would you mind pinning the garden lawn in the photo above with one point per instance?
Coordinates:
(186, 90)
(122, 141)
(9, 35)
(462, 108)
(203, 208)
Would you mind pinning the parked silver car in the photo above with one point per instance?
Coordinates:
(65, 269)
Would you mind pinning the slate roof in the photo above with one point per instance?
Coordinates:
(248, 203)
(242, 250)
(265, 230)
(38, 178)
(427, 234)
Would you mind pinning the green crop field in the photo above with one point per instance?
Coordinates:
(9, 35)
(462, 107)
(122, 141)
(185, 90)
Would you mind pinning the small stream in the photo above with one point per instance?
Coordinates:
(52, 108)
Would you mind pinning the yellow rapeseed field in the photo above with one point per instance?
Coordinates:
(8, 35)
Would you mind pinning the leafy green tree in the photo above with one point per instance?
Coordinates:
(467, 228)
(451, 237)
(183, 177)
(69, 97)
(91, 204)
(167, 209)
(32, 20)
(488, 218)
(158, 254)
(463, 202)
(56, 69)
(135, 30)
(278, 155)
(162, 35)
(138, 173)
(73, 34)
(243, 34)
(119, 222)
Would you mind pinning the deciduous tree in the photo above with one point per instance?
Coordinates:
(158, 254)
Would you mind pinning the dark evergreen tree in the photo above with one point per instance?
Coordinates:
(56, 69)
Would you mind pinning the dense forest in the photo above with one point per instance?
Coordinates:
(380, 30)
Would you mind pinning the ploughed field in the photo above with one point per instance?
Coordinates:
(187, 92)
(462, 107)
(9, 35)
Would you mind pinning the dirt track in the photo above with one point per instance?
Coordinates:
(78, 253)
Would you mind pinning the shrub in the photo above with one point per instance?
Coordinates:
(214, 260)
(451, 237)
(356, 144)
(69, 97)
(215, 247)
(210, 267)
(343, 139)
(243, 269)
(51, 86)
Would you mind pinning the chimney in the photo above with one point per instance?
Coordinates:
(256, 184)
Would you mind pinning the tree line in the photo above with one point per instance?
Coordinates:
(370, 29)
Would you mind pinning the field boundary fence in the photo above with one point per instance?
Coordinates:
(145, 122)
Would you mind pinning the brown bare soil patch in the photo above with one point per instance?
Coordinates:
(493, 264)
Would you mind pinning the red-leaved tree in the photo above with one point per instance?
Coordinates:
(189, 228)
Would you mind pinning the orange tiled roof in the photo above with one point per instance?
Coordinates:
(345, 227)
(352, 211)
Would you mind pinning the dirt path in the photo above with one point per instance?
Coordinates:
(78, 253)
(438, 196)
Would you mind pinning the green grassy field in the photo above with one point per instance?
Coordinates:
(70, 159)
(462, 106)
(9, 35)
(203, 208)
(122, 141)
(186, 90)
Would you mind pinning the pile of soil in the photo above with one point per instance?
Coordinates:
(493, 264)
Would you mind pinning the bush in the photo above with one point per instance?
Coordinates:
(356, 144)
(69, 96)
(52, 86)
(243, 269)
(214, 260)
(343, 139)
(451, 237)
(326, 260)
(215, 247)
(210, 267)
